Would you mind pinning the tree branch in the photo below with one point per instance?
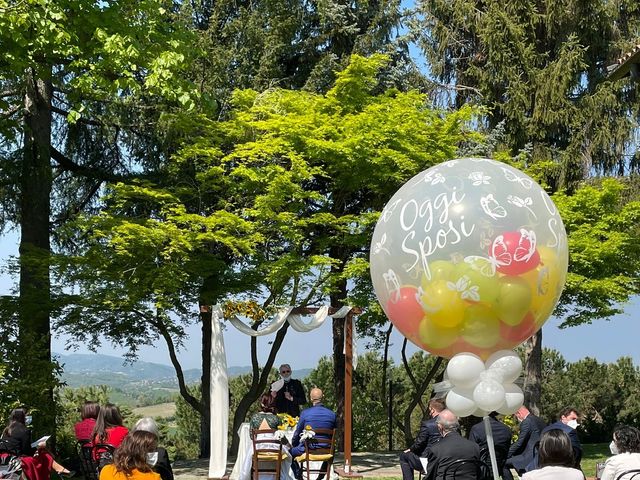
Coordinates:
(97, 174)
(184, 391)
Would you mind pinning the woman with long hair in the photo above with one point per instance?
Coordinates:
(625, 448)
(555, 458)
(16, 439)
(89, 414)
(130, 460)
(159, 459)
(109, 427)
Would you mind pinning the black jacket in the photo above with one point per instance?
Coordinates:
(294, 387)
(448, 450)
(427, 436)
(521, 452)
(501, 441)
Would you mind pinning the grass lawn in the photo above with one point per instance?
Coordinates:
(160, 410)
(591, 454)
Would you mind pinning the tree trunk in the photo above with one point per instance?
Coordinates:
(34, 342)
(337, 301)
(533, 372)
(205, 439)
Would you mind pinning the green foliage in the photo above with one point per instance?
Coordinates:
(605, 394)
(604, 248)
(539, 67)
(186, 439)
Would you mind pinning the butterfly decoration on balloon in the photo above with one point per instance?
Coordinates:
(469, 256)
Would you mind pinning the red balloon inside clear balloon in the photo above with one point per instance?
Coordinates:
(404, 310)
(515, 252)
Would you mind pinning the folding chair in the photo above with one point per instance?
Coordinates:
(102, 454)
(267, 454)
(466, 466)
(318, 449)
(635, 472)
(88, 466)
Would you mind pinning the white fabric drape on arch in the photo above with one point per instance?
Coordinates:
(219, 389)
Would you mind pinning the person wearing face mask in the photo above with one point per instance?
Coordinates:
(16, 439)
(625, 448)
(521, 451)
(568, 423)
(288, 392)
(130, 461)
(452, 447)
(158, 459)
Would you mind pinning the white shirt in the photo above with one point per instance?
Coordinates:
(620, 463)
(554, 473)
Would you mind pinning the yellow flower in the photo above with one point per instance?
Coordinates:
(308, 427)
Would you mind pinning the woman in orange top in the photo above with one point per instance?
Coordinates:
(130, 460)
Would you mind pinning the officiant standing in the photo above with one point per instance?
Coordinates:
(288, 392)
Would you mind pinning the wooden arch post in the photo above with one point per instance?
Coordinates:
(348, 380)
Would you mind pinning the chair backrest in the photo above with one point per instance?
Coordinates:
(102, 453)
(88, 466)
(466, 467)
(632, 474)
(265, 441)
(323, 442)
(267, 453)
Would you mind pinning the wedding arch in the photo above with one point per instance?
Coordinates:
(219, 380)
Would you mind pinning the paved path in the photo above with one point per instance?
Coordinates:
(369, 464)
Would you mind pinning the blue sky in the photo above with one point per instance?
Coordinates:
(604, 340)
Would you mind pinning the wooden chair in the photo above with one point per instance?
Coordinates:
(318, 449)
(481, 469)
(267, 453)
(635, 472)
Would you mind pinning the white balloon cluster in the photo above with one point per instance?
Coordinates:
(480, 387)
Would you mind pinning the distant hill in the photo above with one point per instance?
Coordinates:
(136, 384)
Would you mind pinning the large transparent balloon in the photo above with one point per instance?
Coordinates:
(469, 256)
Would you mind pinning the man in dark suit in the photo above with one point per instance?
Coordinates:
(568, 423)
(316, 416)
(450, 449)
(427, 436)
(501, 441)
(521, 452)
(291, 395)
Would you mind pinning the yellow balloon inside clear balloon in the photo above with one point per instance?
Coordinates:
(481, 326)
(546, 283)
(443, 306)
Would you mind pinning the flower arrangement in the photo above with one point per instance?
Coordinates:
(287, 421)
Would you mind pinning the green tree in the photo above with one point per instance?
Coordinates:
(278, 199)
(186, 438)
(540, 70)
(70, 69)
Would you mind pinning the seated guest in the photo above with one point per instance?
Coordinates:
(89, 414)
(130, 459)
(316, 416)
(521, 452)
(109, 428)
(16, 439)
(158, 460)
(568, 423)
(625, 448)
(555, 458)
(427, 436)
(449, 449)
(501, 440)
(266, 419)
